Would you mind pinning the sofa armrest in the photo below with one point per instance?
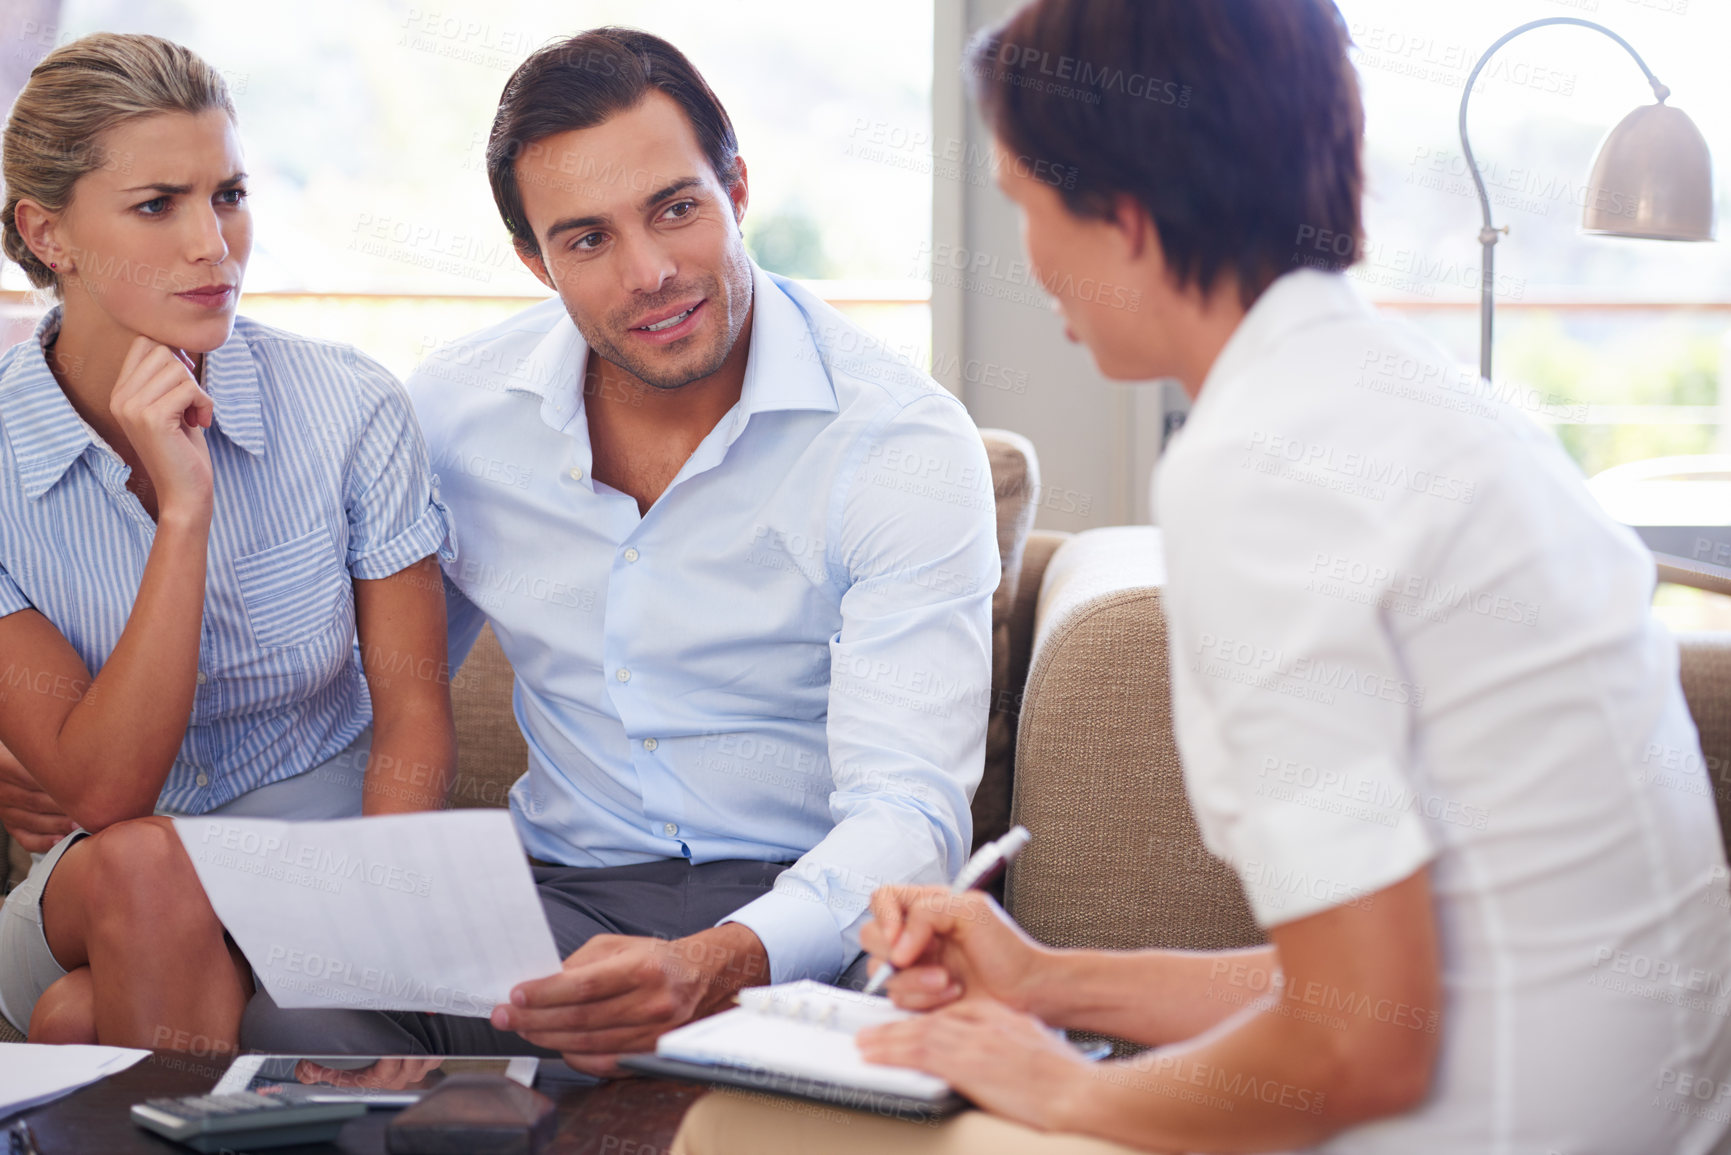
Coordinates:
(1705, 659)
(1117, 861)
(1037, 554)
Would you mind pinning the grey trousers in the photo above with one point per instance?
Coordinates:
(667, 899)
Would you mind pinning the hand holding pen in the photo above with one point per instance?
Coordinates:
(936, 944)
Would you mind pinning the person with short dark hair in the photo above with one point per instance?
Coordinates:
(740, 556)
(1424, 708)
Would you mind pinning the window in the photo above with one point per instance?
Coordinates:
(365, 124)
(1620, 344)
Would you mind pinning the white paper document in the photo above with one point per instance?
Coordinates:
(804, 1029)
(409, 912)
(33, 1073)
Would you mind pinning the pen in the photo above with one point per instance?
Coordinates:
(985, 863)
(22, 1140)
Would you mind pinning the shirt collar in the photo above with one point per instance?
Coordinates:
(1298, 300)
(45, 432)
(783, 370)
(231, 379)
(47, 435)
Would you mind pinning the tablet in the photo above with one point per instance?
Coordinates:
(376, 1080)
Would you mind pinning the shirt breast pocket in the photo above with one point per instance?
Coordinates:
(296, 594)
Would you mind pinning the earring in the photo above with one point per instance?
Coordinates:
(52, 265)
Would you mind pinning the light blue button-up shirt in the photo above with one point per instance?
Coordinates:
(787, 658)
(320, 478)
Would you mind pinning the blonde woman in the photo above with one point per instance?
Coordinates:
(198, 513)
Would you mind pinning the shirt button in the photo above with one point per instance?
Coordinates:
(670, 829)
(202, 678)
(650, 744)
(576, 475)
(622, 674)
(631, 553)
(203, 780)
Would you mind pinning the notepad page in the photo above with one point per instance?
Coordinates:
(805, 1030)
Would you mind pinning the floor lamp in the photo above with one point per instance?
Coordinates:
(1656, 158)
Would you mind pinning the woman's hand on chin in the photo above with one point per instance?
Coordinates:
(164, 413)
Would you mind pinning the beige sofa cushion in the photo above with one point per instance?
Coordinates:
(1706, 672)
(1043, 545)
(1117, 861)
(1016, 484)
(491, 753)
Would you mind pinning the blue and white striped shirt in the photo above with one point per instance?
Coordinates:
(320, 477)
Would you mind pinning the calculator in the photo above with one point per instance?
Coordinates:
(242, 1121)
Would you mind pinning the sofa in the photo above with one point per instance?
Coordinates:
(1093, 771)
(1116, 860)
(1080, 746)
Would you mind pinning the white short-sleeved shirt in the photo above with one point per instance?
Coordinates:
(1403, 634)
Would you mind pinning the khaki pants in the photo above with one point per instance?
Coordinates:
(741, 1123)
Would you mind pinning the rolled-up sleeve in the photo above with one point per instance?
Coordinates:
(910, 685)
(395, 515)
(12, 598)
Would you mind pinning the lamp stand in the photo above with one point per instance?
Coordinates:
(1489, 234)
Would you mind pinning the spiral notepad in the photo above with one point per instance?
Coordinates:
(804, 1030)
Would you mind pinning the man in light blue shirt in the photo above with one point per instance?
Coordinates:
(742, 573)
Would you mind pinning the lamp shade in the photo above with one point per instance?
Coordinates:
(1653, 179)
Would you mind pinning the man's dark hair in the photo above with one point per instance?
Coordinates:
(1237, 124)
(583, 81)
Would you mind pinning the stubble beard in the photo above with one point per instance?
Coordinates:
(734, 305)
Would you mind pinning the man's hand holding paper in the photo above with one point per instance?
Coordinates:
(617, 993)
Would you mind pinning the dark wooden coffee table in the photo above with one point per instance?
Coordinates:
(625, 1117)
